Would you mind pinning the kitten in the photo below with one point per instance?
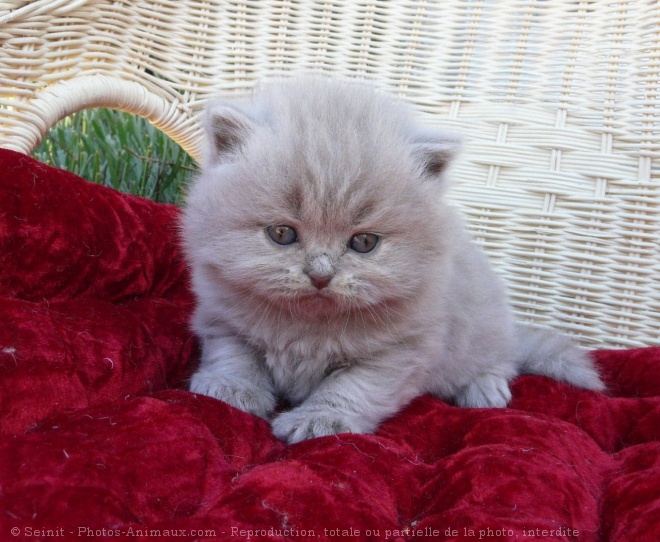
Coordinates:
(329, 272)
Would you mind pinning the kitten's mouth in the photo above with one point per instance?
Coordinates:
(318, 297)
(315, 303)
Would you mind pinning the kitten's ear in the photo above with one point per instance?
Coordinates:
(435, 150)
(227, 129)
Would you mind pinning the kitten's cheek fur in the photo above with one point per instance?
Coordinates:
(239, 393)
(303, 423)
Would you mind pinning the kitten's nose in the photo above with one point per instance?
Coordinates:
(320, 270)
(320, 282)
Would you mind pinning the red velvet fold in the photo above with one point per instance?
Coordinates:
(100, 438)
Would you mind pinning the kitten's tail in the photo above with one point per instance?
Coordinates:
(548, 353)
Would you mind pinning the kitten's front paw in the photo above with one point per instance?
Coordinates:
(238, 393)
(485, 391)
(303, 423)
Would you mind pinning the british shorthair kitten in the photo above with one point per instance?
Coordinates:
(329, 271)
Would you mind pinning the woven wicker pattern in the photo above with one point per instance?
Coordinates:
(559, 100)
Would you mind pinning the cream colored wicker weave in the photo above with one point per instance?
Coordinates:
(559, 101)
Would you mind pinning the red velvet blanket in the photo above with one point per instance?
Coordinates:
(100, 438)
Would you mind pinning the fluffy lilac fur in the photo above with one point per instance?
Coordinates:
(348, 337)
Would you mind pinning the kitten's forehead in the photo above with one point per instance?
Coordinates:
(332, 202)
(338, 151)
(334, 154)
(338, 118)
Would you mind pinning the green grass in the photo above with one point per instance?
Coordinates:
(119, 150)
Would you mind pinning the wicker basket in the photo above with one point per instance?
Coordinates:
(559, 101)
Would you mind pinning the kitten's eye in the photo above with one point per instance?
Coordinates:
(282, 235)
(364, 242)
